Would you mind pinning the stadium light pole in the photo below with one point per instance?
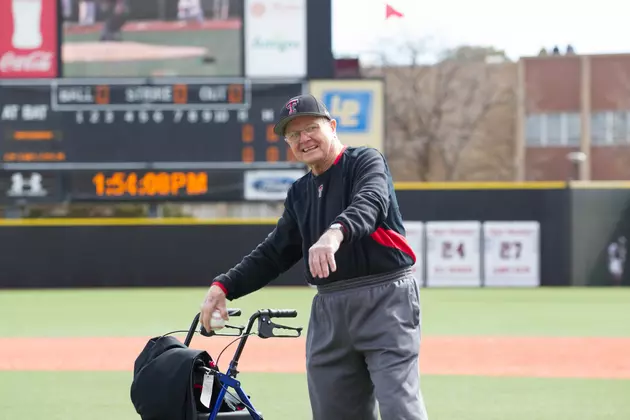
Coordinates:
(576, 159)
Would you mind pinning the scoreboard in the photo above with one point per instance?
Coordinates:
(138, 139)
(108, 122)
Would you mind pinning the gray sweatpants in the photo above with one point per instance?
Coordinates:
(362, 346)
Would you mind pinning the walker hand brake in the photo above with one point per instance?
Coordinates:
(214, 332)
(266, 328)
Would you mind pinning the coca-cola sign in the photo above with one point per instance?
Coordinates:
(28, 38)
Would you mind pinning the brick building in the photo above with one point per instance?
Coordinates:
(561, 104)
(573, 103)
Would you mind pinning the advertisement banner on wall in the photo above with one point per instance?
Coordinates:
(453, 254)
(511, 254)
(357, 105)
(275, 38)
(269, 185)
(414, 232)
(28, 39)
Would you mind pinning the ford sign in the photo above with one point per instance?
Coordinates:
(269, 184)
(273, 185)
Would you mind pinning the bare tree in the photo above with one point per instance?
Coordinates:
(474, 94)
(438, 114)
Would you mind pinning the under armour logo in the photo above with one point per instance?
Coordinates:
(291, 106)
(320, 189)
(26, 187)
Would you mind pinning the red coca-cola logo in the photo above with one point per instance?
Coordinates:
(33, 57)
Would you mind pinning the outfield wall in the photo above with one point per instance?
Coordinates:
(185, 252)
(547, 203)
(124, 252)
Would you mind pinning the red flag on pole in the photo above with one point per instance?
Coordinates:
(391, 12)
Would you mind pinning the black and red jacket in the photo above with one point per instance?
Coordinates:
(356, 191)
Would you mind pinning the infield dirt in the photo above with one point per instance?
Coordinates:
(607, 358)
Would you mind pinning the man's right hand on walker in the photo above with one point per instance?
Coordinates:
(215, 300)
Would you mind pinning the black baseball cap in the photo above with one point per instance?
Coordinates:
(298, 106)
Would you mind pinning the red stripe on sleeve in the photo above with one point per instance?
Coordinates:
(393, 239)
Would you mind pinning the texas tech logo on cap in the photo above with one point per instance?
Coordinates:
(292, 105)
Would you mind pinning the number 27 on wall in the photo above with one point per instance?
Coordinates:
(510, 250)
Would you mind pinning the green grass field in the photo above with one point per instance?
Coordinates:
(105, 395)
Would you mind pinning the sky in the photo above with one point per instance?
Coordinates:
(521, 28)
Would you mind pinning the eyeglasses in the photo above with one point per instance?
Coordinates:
(294, 136)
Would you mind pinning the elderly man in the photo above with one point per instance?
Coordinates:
(342, 219)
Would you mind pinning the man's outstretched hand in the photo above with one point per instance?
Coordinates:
(321, 256)
(215, 300)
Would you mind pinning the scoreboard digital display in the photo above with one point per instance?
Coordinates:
(137, 121)
(154, 185)
(81, 97)
(56, 186)
(150, 184)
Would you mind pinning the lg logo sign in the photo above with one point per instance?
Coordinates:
(22, 186)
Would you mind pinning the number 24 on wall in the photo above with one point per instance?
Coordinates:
(449, 250)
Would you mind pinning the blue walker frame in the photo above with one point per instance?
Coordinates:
(228, 379)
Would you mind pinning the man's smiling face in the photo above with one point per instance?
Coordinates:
(311, 138)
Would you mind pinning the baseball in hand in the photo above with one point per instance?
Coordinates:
(217, 322)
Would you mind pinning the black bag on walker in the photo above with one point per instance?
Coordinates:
(163, 375)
